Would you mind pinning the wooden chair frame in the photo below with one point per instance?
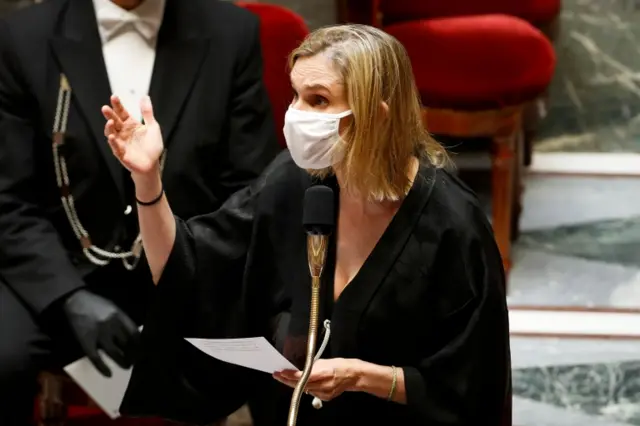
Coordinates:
(504, 128)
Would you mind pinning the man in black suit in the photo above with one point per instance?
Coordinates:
(70, 277)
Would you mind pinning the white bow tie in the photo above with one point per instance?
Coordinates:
(111, 25)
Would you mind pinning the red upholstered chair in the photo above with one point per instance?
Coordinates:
(281, 31)
(476, 75)
(543, 14)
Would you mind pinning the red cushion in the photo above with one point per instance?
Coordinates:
(106, 421)
(535, 11)
(281, 31)
(93, 416)
(78, 412)
(477, 62)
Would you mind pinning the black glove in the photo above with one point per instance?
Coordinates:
(99, 324)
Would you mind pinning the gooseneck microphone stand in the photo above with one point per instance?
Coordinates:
(318, 218)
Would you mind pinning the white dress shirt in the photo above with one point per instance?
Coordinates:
(129, 47)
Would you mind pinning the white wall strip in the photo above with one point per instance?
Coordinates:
(574, 323)
(586, 163)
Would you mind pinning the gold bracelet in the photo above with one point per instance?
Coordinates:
(394, 381)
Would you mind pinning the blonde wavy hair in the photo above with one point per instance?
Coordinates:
(379, 145)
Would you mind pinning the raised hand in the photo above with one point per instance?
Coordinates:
(138, 146)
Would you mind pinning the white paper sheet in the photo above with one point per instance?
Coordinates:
(254, 352)
(107, 392)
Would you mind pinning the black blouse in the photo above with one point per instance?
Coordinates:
(429, 299)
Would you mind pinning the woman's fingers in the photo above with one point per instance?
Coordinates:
(117, 146)
(283, 380)
(110, 114)
(106, 111)
(110, 128)
(316, 391)
(146, 108)
(119, 109)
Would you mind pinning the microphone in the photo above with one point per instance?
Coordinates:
(318, 220)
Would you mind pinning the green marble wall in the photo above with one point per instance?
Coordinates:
(602, 390)
(595, 97)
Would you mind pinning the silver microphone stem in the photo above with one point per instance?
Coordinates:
(317, 255)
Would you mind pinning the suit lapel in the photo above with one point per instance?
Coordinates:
(78, 50)
(180, 53)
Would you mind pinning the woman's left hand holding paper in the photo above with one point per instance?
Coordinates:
(329, 377)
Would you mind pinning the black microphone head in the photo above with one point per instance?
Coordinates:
(318, 214)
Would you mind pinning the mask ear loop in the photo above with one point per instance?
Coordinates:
(340, 116)
(340, 143)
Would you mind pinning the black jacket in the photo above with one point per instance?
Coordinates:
(208, 97)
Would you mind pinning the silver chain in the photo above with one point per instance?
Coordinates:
(96, 255)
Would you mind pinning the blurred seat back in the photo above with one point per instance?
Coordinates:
(379, 12)
(534, 11)
(281, 31)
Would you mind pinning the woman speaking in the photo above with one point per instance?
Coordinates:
(413, 285)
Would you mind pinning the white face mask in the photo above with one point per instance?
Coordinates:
(312, 136)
